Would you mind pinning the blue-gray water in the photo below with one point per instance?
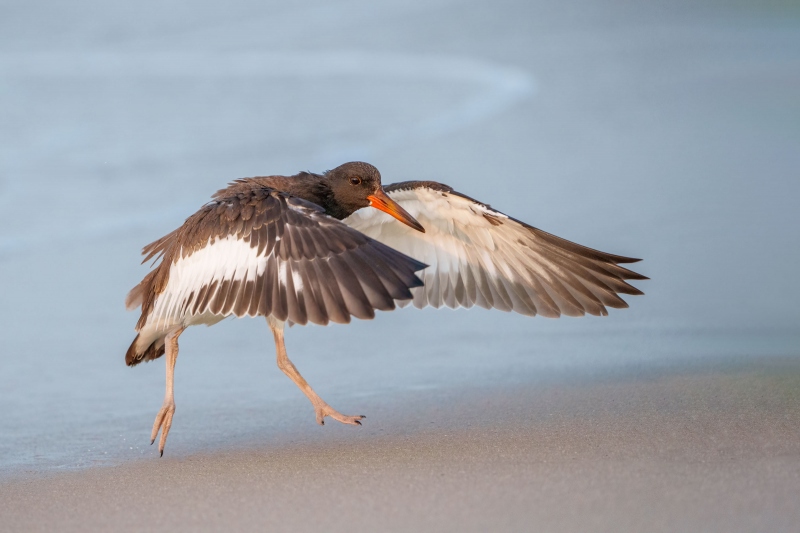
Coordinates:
(669, 132)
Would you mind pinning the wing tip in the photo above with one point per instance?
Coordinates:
(418, 265)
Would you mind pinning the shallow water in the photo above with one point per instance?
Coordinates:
(661, 133)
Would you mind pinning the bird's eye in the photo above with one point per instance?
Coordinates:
(355, 180)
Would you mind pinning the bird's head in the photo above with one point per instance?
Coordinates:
(356, 185)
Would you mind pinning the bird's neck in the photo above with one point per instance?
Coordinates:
(315, 188)
(331, 206)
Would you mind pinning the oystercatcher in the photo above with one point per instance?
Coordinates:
(301, 249)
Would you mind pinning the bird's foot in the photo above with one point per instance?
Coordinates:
(163, 422)
(324, 410)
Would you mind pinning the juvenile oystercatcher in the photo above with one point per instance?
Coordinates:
(301, 249)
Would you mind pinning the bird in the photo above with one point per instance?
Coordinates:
(304, 248)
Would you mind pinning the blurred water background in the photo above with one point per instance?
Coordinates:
(663, 130)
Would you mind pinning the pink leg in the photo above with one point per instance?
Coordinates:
(321, 408)
(164, 416)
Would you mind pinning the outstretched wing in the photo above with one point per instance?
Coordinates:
(262, 252)
(480, 256)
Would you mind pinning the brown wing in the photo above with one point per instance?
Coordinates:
(258, 251)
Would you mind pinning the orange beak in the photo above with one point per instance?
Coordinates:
(381, 201)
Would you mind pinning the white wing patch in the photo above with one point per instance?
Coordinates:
(226, 259)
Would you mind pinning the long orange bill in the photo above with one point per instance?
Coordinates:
(381, 201)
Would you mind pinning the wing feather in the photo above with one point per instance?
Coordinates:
(263, 252)
(480, 256)
(335, 306)
(356, 301)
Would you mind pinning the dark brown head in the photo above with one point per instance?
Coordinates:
(356, 185)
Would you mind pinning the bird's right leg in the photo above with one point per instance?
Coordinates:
(164, 416)
(321, 408)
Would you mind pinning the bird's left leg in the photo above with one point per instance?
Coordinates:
(164, 416)
(321, 407)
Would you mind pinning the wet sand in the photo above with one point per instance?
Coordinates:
(709, 446)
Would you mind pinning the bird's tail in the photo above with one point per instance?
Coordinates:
(137, 353)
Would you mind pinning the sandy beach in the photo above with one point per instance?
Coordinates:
(661, 130)
(707, 447)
